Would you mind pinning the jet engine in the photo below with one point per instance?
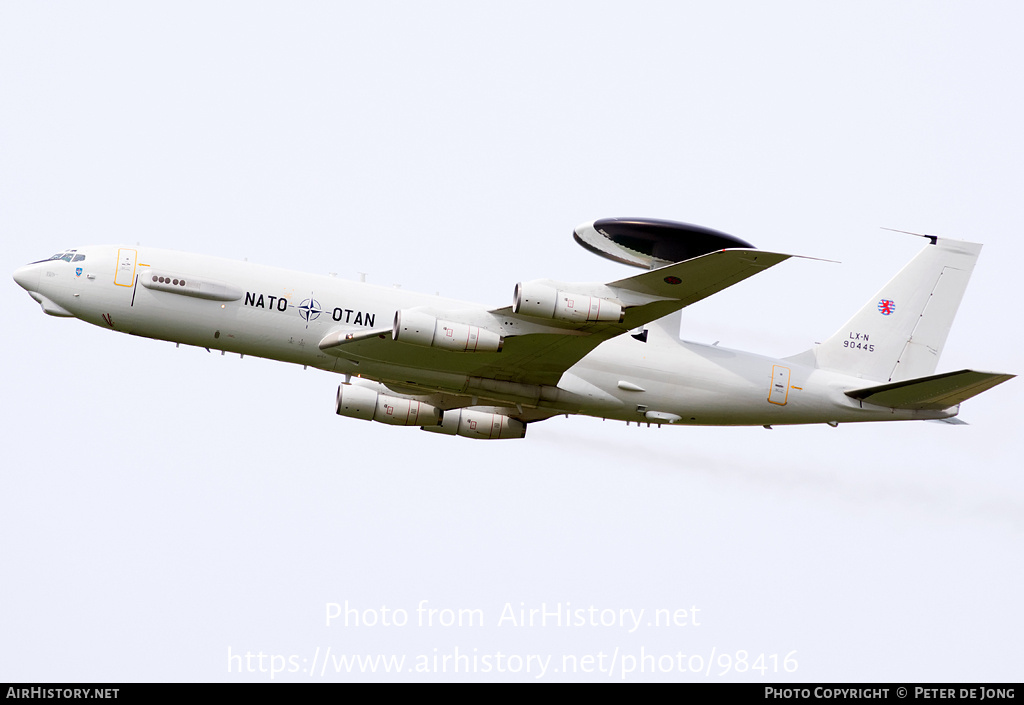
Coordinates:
(472, 423)
(418, 328)
(543, 301)
(362, 403)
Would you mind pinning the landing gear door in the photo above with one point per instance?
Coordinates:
(779, 391)
(125, 274)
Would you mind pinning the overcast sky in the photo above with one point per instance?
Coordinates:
(163, 509)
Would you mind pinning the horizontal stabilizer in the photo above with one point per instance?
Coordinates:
(935, 392)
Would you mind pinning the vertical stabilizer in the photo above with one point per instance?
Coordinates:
(899, 333)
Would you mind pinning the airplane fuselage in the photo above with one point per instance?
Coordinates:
(267, 312)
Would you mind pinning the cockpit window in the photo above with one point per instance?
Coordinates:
(66, 256)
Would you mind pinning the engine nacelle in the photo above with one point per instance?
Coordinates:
(419, 328)
(478, 424)
(362, 403)
(543, 301)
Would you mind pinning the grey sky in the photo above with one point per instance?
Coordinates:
(159, 506)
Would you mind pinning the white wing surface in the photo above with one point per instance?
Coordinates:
(536, 350)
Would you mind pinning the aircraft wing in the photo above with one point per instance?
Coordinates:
(536, 351)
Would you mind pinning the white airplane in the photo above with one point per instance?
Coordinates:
(605, 350)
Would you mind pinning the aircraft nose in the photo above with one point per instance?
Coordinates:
(27, 277)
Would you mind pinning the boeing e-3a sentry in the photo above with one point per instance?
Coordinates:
(609, 350)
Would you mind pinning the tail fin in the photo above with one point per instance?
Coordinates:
(899, 334)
